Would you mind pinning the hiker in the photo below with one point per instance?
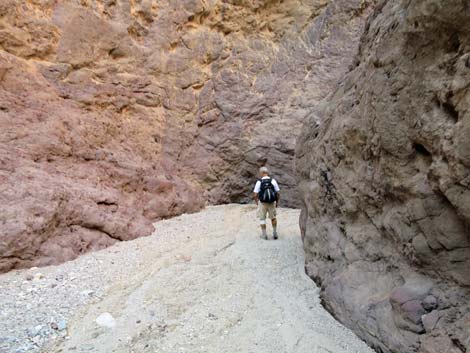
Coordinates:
(266, 196)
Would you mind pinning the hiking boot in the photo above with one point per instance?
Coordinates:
(264, 236)
(275, 236)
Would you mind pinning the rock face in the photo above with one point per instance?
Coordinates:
(384, 169)
(117, 113)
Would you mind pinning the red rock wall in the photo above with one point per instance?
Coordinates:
(116, 113)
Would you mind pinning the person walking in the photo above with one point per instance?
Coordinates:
(266, 195)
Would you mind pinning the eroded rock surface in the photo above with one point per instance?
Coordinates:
(117, 113)
(384, 168)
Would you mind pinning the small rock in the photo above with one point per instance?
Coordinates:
(88, 293)
(59, 325)
(430, 320)
(62, 325)
(34, 331)
(106, 320)
(29, 277)
(37, 339)
(38, 276)
(212, 316)
(430, 303)
(414, 290)
(413, 310)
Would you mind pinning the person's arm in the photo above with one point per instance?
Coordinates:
(255, 197)
(256, 191)
(278, 191)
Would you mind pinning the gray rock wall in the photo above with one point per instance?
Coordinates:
(384, 171)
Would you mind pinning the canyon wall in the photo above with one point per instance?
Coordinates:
(384, 173)
(115, 113)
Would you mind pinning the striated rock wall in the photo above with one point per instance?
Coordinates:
(384, 170)
(116, 113)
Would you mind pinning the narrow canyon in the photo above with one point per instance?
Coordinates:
(116, 114)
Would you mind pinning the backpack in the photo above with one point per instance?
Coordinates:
(267, 194)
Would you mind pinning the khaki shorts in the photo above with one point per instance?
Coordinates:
(266, 208)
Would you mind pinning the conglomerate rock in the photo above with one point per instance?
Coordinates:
(384, 171)
(114, 113)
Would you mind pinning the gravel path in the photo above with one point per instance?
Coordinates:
(201, 283)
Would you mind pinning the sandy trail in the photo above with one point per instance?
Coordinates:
(206, 283)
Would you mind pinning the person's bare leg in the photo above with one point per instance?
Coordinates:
(274, 223)
(262, 218)
(264, 235)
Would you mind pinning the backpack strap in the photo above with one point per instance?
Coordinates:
(269, 179)
(268, 182)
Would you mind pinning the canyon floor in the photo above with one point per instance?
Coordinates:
(203, 282)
